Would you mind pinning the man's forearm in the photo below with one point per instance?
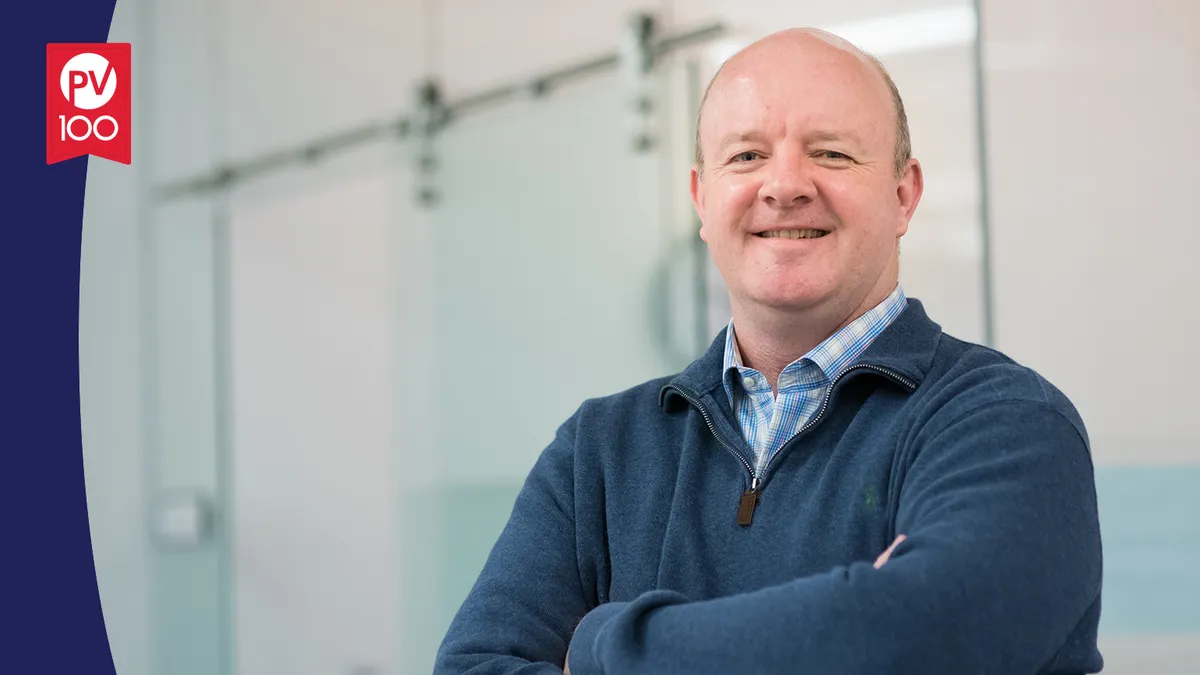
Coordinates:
(911, 618)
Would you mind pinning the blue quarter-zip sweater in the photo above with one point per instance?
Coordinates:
(625, 543)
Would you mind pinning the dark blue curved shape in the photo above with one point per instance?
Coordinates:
(49, 603)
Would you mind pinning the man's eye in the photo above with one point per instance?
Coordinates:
(832, 154)
(747, 156)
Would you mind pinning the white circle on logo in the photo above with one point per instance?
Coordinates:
(96, 128)
(87, 82)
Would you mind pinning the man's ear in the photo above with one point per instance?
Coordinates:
(908, 195)
(697, 189)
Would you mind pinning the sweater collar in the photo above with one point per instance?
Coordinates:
(906, 347)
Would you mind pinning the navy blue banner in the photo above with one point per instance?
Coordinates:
(52, 622)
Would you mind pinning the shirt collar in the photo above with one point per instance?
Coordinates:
(834, 353)
(906, 347)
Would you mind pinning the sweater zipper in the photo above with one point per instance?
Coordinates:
(748, 501)
(909, 384)
(713, 429)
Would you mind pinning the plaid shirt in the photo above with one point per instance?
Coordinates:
(768, 421)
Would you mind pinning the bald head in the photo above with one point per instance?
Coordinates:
(818, 44)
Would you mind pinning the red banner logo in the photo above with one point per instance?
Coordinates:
(88, 104)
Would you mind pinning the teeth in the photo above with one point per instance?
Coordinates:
(793, 234)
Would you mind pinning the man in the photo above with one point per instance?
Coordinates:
(731, 519)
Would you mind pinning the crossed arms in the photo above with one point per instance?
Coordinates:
(1000, 565)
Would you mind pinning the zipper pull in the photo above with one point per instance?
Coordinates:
(748, 503)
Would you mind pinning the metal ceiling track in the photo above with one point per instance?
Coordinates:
(640, 50)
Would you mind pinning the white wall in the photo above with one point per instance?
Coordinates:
(316, 335)
(1091, 112)
(1092, 138)
(314, 469)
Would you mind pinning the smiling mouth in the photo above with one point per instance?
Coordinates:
(793, 234)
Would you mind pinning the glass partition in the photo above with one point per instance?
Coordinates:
(188, 516)
(548, 237)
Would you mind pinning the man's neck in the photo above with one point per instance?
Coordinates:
(768, 339)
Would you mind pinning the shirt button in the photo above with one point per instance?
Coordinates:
(749, 383)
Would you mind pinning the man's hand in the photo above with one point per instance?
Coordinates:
(883, 557)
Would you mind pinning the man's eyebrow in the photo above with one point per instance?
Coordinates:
(825, 135)
(818, 136)
(739, 137)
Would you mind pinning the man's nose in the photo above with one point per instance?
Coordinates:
(788, 182)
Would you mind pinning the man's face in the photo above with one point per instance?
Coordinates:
(798, 140)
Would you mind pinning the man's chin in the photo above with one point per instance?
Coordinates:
(790, 299)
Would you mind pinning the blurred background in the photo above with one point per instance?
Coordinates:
(370, 254)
